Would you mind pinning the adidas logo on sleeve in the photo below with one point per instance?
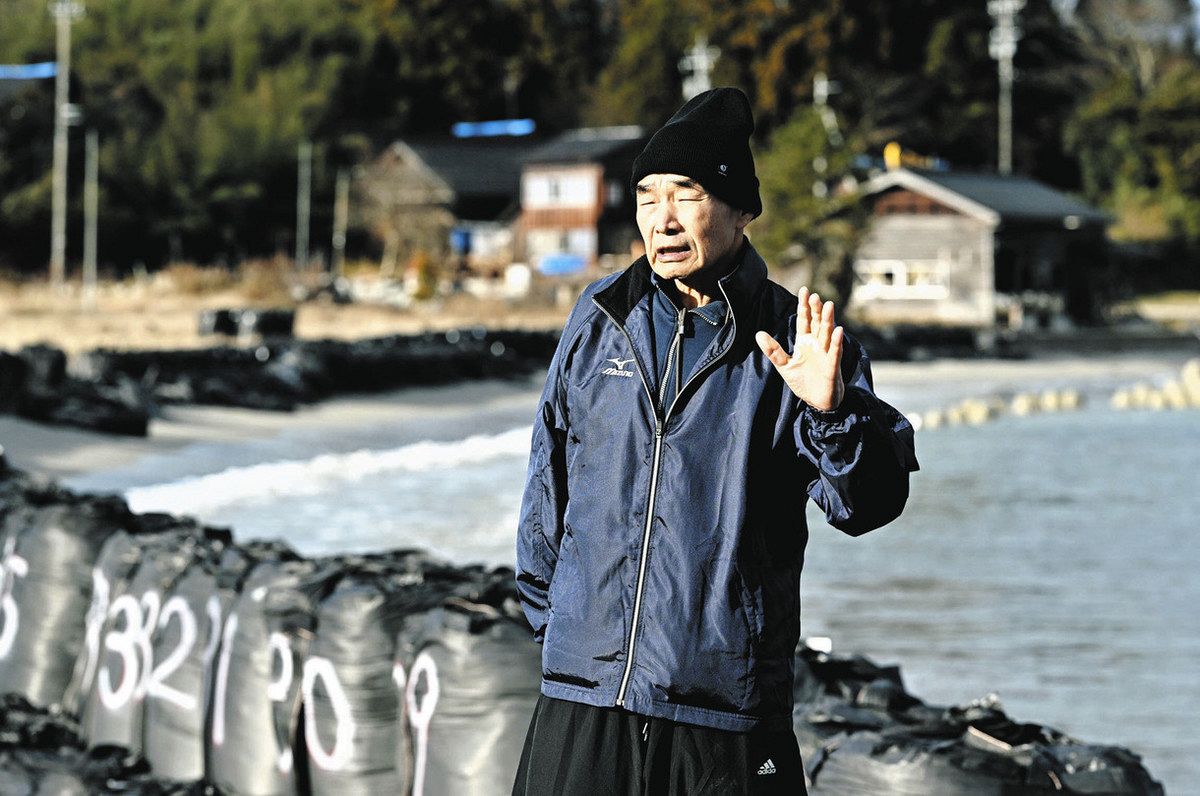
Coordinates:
(767, 767)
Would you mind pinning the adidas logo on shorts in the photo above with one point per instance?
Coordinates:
(767, 767)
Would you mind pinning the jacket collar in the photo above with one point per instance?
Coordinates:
(741, 286)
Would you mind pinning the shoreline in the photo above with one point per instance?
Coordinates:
(61, 452)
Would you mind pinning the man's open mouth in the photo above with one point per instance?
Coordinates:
(671, 253)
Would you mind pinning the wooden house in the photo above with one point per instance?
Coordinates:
(975, 250)
(576, 206)
(448, 196)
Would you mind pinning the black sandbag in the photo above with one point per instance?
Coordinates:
(41, 753)
(48, 557)
(118, 559)
(12, 380)
(44, 364)
(352, 703)
(861, 732)
(173, 729)
(865, 764)
(14, 484)
(471, 672)
(128, 673)
(267, 322)
(72, 402)
(76, 772)
(218, 321)
(255, 699)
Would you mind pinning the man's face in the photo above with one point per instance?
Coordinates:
(689, 233)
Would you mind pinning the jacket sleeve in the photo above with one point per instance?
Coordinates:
(863, 452)
(539, 528)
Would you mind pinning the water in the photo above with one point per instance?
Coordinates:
(1050, 559)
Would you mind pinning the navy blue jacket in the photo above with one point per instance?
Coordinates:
(659, 551)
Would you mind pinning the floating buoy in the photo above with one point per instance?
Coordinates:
(1070, 399)
(1024, 404)
(1049, 401)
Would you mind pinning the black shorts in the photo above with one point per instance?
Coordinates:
(574, 749)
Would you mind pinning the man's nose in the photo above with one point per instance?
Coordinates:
(665, 219)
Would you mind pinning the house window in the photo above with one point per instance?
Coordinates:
(569, 188)
(902, 279)
(580, 240)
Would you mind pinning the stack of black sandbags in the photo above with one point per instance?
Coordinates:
(40, 753)
(861, 732)
(282, 374)
(34, 384)
(142, 647)
(118, 391)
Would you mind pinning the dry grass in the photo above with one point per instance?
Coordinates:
(162, 311)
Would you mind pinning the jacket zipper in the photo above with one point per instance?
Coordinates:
(659, 426)
(674, 354)
(679, 352)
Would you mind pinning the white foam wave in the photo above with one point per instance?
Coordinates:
(271, 481)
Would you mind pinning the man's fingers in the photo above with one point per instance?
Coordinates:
(835, 347)
(814, 313)
(802, 314)
(772, 349)
(826, 330)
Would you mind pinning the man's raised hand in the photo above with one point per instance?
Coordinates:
(813, 370)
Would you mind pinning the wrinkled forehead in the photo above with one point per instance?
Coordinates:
(661, 184)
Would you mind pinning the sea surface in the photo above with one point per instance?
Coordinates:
(1052, 560)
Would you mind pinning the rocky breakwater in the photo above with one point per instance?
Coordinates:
(120, 391)
(148, 653)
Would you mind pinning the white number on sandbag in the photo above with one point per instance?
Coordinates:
(419, 716)
(277, 690)
(344, 726)
(222, 684)
(279, 644)
(94, 624)
(12, 566)
(149, 604)
(213, 606)
(125, 644)
(156, 685)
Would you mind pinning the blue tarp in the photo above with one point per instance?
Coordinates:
(28, 71)
(493, 128)
(561, 264)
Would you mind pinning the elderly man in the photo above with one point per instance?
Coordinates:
(691, 408)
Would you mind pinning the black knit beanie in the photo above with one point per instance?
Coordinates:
(708, 139)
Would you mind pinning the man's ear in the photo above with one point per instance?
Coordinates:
(743, 219)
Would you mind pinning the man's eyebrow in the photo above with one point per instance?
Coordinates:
(682, 182)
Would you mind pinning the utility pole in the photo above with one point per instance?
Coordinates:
(1002, 45)
(303, 204)
(697, 65)
(64, 11)
(341, 216)
(91, 202)
(822, 88)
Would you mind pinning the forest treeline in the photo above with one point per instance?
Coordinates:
(202, 104)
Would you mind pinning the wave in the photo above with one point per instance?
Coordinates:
(271, 481)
